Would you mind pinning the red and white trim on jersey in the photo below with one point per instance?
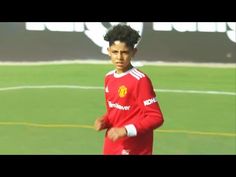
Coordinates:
(137, 74)
(134, 72)
(131, 130)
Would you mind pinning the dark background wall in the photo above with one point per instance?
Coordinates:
(18, 44)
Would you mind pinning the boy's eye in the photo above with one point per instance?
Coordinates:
(123, 52)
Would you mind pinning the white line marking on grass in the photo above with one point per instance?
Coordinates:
(196, 91)
(50, 86)
(137, 63)
(59, 62)
(43, 125)
(101, 88)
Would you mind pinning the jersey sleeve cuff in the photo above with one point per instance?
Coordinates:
(131, 130)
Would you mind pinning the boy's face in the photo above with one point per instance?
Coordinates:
(121, 56)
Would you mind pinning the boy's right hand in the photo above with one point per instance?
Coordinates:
(99, 124)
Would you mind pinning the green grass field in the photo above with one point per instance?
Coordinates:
(59, 119)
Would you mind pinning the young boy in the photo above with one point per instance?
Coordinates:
(133, 111)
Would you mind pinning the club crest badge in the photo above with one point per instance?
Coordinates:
(122, 91)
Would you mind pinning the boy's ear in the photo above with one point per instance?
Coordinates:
(108, 51)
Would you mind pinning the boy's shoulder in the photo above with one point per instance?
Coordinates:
(137, 74)
(140, 71)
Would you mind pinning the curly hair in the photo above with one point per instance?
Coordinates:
(123, 33)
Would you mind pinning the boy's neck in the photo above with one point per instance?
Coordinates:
(128, 68)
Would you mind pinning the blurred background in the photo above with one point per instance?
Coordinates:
(161, 41)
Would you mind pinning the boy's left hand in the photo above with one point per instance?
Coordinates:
(116, 133)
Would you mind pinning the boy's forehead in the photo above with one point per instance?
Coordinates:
(118, 42)
(119, 45)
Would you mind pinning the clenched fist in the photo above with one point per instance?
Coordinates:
(116, 133)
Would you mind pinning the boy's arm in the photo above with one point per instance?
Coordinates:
(103, 122)
(153, 117)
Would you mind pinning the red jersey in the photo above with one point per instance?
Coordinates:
(131, 103)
